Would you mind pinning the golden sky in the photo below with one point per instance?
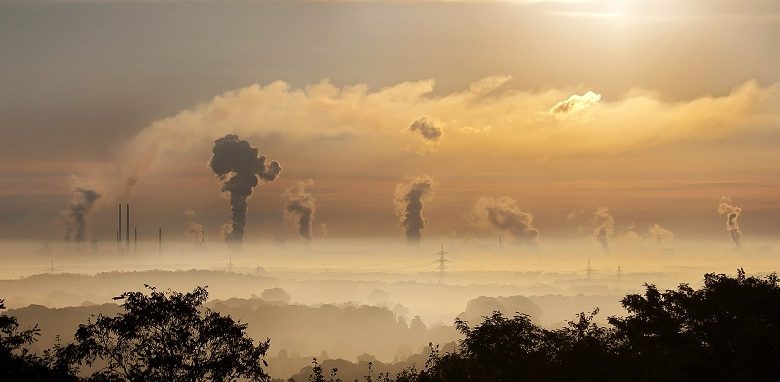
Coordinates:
(653, 110)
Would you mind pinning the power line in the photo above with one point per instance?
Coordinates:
(442, 261)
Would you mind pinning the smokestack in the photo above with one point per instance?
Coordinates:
(119, 236)
(127, 228)
(159, 241)
(135, 239)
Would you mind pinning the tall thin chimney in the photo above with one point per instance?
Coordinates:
(127, 229)
(135, 239)
(159, 240)
(119, 236)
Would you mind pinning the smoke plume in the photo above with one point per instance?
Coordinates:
(300, 205)
(504, 214)
(427, 129)
(409, 198)
(239, 166)
(196, 233)
(76, 211)
(732, 219)
(603, 226)
(659, 234)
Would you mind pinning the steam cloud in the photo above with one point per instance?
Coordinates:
(409, 198)
(603, 226)
(300, 204)
(196, 233)
(660, 234)
(239, 166)
(426, 127)
(504, 214)
(575, 104)
(76, 211)
(732, 219)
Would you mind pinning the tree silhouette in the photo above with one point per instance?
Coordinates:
(166, 336)
(727, 330)
(17, 363)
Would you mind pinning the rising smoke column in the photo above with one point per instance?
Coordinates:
(239, 166)
(504, 214)
(732, 219)
(409, 198)
(76, 211)
(603, 226)
(300, 204)
(660, 234)
(196, 233)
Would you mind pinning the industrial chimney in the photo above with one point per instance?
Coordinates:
(127, 229)
(119, 230)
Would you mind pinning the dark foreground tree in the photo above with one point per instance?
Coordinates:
(729, 330)
(17, 362)
(165, 337)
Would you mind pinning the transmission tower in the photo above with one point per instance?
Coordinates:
(442, 261)
(589, 271)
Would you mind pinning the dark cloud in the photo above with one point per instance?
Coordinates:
(240, 168)
(300, 205)
(504, 214)
(409, 198)
(76, 212)
(427, 128)
(732, 219)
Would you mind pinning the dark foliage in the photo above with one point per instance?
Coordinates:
(17, 363)
(165, 336)
(729, 330)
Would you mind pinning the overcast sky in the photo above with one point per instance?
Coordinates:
(654, 110)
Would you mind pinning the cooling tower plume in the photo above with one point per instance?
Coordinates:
(659, 234)
(76, 212)
(426, 128)
(732, 219)
(240, 168)
(603, 226)
(504, 214)
(300, 205)
(196, 233)
(409, 198)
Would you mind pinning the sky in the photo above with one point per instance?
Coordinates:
(521, 118)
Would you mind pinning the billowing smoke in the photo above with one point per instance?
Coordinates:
(504, 214)
(196, 233)
(732, 219)
(409, 198)
(659, 234)
(575, 104)
(76, 211)
(603, 226)
(239, 166)
(300, 205)
(427, 128)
